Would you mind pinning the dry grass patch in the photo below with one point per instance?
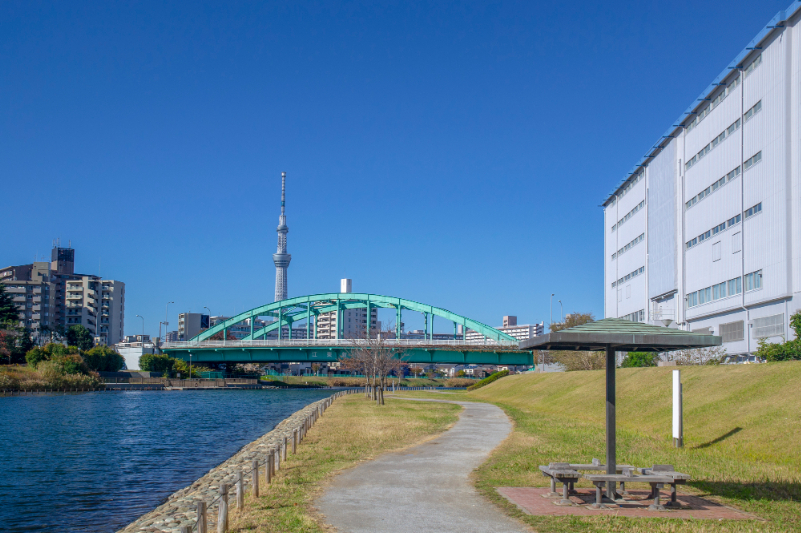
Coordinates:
(353, 430)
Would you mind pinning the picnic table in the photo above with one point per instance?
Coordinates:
(594, 466)
(667, 471)
(563, 473)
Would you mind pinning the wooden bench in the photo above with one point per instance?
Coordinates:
(667, 471)
(564, 474)
(599, 480)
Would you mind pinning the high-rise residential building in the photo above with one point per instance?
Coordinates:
(280, 257)
(510, 327)
(191, 324)
(703, 233)
(52, 296)
(354, 321)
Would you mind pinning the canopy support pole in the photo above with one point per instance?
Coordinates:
(611, 459)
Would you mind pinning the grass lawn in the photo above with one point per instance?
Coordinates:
(742, 439)
(353, 429)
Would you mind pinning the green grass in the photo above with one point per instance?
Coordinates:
(742, 428)
(353, 430)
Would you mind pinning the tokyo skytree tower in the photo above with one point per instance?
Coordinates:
(280, 257)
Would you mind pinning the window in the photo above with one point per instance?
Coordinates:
(712, 188)
(628, 291)
(629, 215)
(732, 331)
(716, 251)
(620, 295)
(736, 242)
(756, 108)
(715, 292)
(712, 144)
(753, 160)
(637, 316)
(715, 102)
(714, 231)
(753, 210)
(753, 281)
(754, 64)
(626, 248)
(769, 326)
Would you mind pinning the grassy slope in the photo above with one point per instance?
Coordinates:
(353, 429)
(742, 428)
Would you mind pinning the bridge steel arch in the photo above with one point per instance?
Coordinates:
(287, 312)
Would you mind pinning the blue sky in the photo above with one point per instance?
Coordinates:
(454, 154)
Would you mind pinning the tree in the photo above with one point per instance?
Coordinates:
(639, 359)
(377, 357)
(103, 359)
(154, 362)
(571, 360)
(79, 336)
(36, 356)
(698, 356)
(219, 336)
(9, 314)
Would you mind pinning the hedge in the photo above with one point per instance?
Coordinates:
(489, 379)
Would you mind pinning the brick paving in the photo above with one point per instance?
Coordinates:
(531, 501)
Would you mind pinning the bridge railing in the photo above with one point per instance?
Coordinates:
(339, 343)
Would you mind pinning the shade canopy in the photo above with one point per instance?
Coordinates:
(616, 335)
(621, 336)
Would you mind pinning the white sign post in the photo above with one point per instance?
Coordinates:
(678, 417)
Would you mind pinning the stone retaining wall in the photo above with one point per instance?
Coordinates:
(180, 509)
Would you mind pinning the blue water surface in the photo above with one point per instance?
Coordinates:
(97, 461)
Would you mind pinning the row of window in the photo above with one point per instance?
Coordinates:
(712, 188)
(751, 211)
(756, 108)
(629, 245)
(733, 221)
(629, 215)
(629, 276)
(713, 144)
(715, 102)
(636, 179)
(636, 316)
(754, 64)
(753, 160)
(753, 281)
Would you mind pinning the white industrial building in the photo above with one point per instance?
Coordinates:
(704, 233)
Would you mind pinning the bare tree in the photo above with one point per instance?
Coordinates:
(377, 357)
(571, 360)
(698, 356)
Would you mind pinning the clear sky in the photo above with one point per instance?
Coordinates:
(453, 154)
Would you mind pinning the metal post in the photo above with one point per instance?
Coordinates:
(432, 327)
(289, 329)
(611, 459)
(678, 415)
(425, 327)
(251, 326)
(368, 319)
(280, 321)
(398, 323)
(308, 319)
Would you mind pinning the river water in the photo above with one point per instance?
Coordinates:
(97, 461)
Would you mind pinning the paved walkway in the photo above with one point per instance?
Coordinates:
(426, 487)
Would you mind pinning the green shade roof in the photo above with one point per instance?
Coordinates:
(622, 335)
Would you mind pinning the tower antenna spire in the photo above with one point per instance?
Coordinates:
(280, 257)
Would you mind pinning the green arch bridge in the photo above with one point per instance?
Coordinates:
(493, 347)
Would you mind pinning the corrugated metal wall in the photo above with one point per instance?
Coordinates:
(662, 222)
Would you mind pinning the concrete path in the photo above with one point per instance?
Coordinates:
(426, 487)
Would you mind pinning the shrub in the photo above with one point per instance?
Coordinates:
(459, 382)
(639, 359)
(36, 356)
(489, 379)
(154, 362)
(81, 337)
(71, 363)
(103, 359)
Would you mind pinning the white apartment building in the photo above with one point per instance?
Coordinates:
(703, 234)
(98, 305)
(354, 321)
(510, 327)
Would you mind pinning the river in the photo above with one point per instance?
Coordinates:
(97, 461)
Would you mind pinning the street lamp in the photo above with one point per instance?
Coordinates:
(551, 315)
(166, 319)
(209, 310)
(143, 330)
(561, 311)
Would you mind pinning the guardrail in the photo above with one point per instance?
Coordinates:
(272, 343)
